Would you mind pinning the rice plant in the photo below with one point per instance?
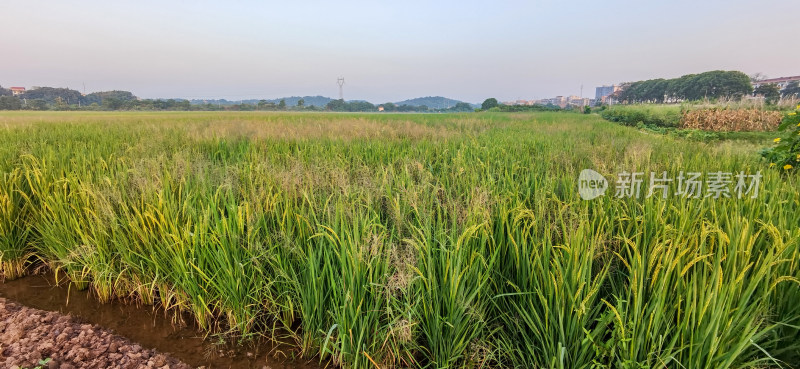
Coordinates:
(399, 241)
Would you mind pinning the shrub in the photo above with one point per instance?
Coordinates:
(785, 155)
(651, 115)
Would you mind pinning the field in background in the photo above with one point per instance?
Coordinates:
(717, 119)
(439, 241)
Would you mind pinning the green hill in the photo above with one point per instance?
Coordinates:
(432, 102)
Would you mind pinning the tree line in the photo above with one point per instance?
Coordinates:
(54, 98)
(708, 85)
(364, 106)
(51, 98)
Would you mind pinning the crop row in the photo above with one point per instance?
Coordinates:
(437, 241)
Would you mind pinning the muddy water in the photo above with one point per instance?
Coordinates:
(143, 325)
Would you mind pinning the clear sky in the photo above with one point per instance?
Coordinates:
(387, 51)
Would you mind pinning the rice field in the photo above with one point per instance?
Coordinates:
(411, 241)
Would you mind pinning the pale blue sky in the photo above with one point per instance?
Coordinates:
(387, 51)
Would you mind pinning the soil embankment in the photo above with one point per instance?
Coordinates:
(32, 337)
(36, 314)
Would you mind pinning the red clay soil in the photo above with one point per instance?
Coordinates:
(29, 335)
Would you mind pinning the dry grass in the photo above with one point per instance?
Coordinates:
(746, 102)
(726, 120)
(258, 125)
(314, 128)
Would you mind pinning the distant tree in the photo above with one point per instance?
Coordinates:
(389, 107)
(266, 105)
(234, 107)
(49, 95)
(757, 77)
(301, 103)
(405, 108)
(708, 85)
(336, 105)
(353, 106)
(770, 91)
(98, 97)
(5, 92)
(362, 106)
(676, 88)
(652, 91)
(717, 84)
(791, 90)
(522, 108)
(157, 104)
(61, 104)
(37, 104)
(282, 105)
(112, 104)
(462, 107)
(10, 103)
(733, 84)
(489, 103)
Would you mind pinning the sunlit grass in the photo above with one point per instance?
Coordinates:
(437, 241)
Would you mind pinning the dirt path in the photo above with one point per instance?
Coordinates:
(29, 335)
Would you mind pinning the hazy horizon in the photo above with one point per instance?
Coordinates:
(386, 52)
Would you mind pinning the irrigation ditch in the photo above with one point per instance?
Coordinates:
(151, 328)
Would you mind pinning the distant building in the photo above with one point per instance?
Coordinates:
(602, 93)
(17, 90)
(559, 101)
(380, 108)
(781, 82)
(579, 101)
(520, 102)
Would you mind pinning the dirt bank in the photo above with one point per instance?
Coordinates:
(29, 335)
(151, 327)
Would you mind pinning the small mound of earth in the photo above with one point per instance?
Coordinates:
(29, 335)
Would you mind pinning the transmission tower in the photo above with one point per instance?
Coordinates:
(340, 81)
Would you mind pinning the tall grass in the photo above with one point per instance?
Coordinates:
(14, 227)
(645, 114)
(433, 241)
